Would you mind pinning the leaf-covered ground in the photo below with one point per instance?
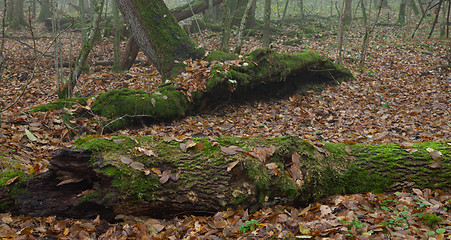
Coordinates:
(402, 95)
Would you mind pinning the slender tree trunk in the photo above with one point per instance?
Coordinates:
(437, 14)
(86, 49)
(129, 55)
(84, 30)
(226, 27)
(266, 22)
(301, 8)
(45, 12)
(420, 4)
(284, 12)
(341, 37)
(117, 39)
(243, 24)
(414, 7)
(402, 12)
(347, 12)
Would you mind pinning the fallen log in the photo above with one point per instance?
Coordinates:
(263, 73)
(164, 176)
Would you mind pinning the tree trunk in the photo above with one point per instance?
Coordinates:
(243, 24)
(160, 177)
(84, 31)
(15, 13)
(84, 53)
(117, 40)
(129, 55)
(45, 12)
(266, 22)
(180, 13)
(158, 34)
(402, 12)
(262, 73)
(348, 12)
(226, 27)
(301, 8)
(284, 12)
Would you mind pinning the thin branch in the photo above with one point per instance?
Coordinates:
(34, 71)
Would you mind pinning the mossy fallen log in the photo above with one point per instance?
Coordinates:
(160, 176)
(262, 73)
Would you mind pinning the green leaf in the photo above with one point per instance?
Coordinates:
(30, 136)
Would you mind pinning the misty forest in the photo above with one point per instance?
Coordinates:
(225, 119)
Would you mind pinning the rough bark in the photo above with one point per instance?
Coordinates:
(158, 34)
(160, 177)
(180, 13)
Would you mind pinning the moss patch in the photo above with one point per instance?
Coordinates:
(60, 104)
(126, 105)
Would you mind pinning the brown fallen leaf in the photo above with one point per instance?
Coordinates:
(232, 165)
(137, 166)
(147, 152)
(231, 150)
(156, 171)
(11, 180)
(165, 176)
(126, 160)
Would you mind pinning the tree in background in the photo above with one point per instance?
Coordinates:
(347, 12)
(15, 13)
(45, 12)
(266, 21)
(402, 12)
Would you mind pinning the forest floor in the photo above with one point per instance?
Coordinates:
(402, 95)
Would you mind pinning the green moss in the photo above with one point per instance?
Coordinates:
(239, 199)
(171, 40)
(220, 56)
(63, 103)
(5, 176)
(97, 144)
(132, 182)
(431, 219)
(90, 196)
(123, 104)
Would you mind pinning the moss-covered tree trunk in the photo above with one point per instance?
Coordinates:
(163, 176)
(180, 13)
(158, 34)
(262, 73)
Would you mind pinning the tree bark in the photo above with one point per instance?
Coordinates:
(266, 22)
(243, 25)
(158, 34)
(180, 13)
(160, 177)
